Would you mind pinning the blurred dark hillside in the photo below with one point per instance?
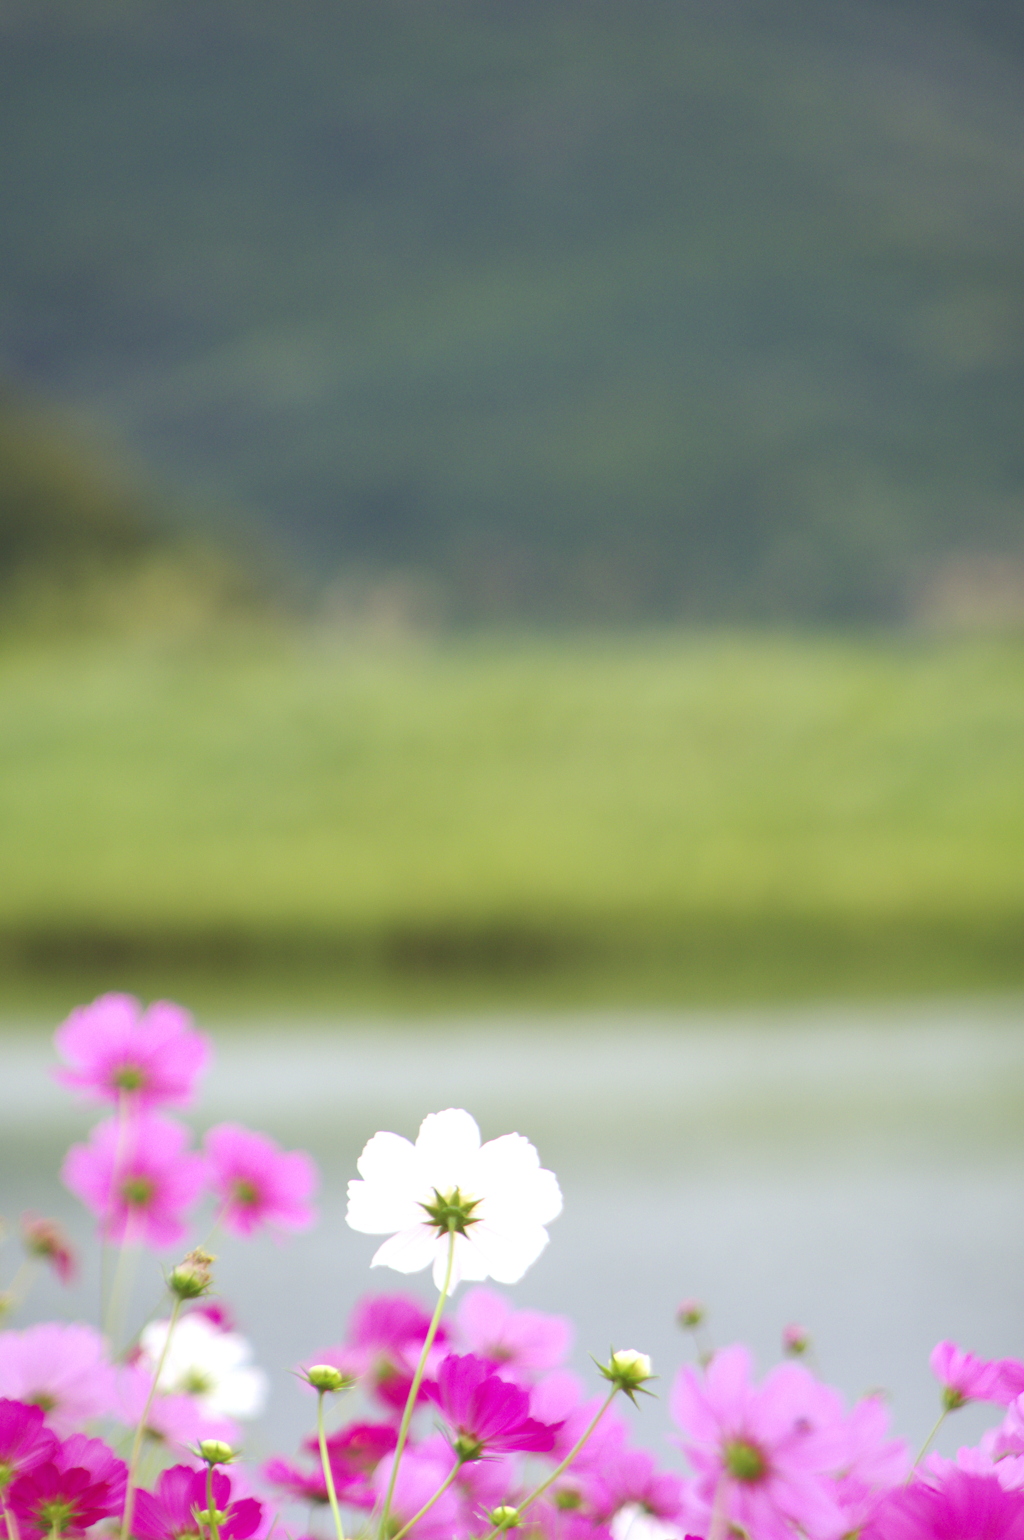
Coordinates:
(84, 544)
(560, 309)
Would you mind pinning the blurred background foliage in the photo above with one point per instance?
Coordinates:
(520, 493)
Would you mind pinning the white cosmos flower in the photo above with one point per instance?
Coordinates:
(495, 1197)
(207, 1363)
(634, 1522)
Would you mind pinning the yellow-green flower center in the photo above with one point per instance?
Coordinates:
(744, 1461)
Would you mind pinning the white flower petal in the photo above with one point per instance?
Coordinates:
(374, 1208)
(409, 1250)
(388, 1158)
(507, 1253)
(448, 1145)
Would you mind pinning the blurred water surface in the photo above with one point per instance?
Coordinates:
(858, 1171)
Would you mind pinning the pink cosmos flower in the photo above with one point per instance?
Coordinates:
(45, 1239)
(965, 1377)
(306, 1486)
(386, 1336)
(420, 1474)
(764, 1452)
(520, 1343)
(24, 1440)
(354, 1453)
(167, 1513)
(114, 1048)
(1011, 1381)
(961, 1506)
(83, 1482)
(138, 1177)
(62, 1369)
(632, 1478)
(557, 1401)
(488, 1415)
(872, 1463)
(257, 1183)
(177, 1421)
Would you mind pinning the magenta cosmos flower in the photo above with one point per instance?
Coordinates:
(114, 1049)
(138, 1177)
(168, 1512)
(521, 1343)
(80, 1484)
(25, 1441)
(764, 1451)
(257, 1183)
(961, 1506)
(61, 1369)
(488, 1415)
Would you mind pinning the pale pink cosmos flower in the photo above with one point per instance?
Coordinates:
(558, 1401)
(965, 1377)
(61, 1368)
(636, 1500)
(872, 1462)
(138, 1177)
(519, 1343)
(114, 1049)
(257, 1183)
(762, 1453)
(420, 1474)
(960, 1505)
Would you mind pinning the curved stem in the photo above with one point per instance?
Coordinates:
(122, 1125)
(559, 1469)
(140, 1431)
(11, 1524)
(325, 1463)
(925, 1446)
(442, 1489)
(417, 1380)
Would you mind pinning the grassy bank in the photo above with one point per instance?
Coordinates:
(652, 818)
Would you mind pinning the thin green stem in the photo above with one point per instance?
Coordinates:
(124, 1278)
(925, 1446)
(559, 1470)
(417, 1380)
(140, 1431)
(332, 1495)
(122, 1124)
(442, 1489)
(211, 1512)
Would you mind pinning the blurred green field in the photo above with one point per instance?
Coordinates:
(651, 818)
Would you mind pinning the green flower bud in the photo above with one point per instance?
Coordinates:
(215, 1452)
(325, 1377)
(505, 1517)
(628, 1370)
(191, 1279)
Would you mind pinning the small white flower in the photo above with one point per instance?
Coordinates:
(207, 1363)
(495, 1198)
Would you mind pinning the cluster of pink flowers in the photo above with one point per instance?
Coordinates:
(138, 1174)
(463, 1425)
